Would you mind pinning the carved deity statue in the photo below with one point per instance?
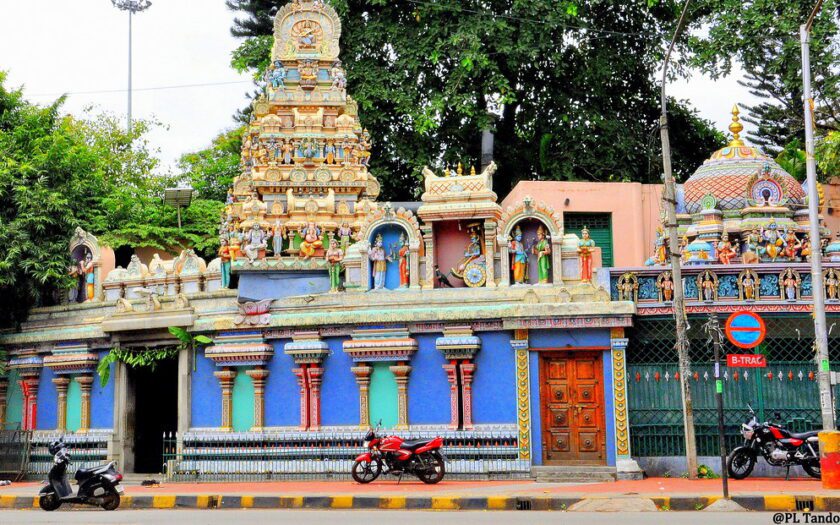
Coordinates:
(805, 248)
(255, 243)
(708, 286)
(334, 257)
(585, 246)
(832, 284)
(224, 255)
(311, 240)
(86, 268)
(748, 285)
(277, 234)
(792, 245)
(542, 249)
(660, 252)
(790, 285)
(752, 247)
(772, 241)
(519, 257)
(403, 253)
(471, 253)
(339, 80)
(345, 235)
(726, 252)
(277, 75)
(666, 286)
(377, 256)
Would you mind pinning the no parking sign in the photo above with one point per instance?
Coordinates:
(745, 329)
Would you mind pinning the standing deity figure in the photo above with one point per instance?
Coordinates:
(334, 256)
(660, 252)
(708, 285)
(377, 256)
(831, 285)
(792, 245)
(224, 255)
(772, 241)
(790, 285)
(585, 247)
(805, 248)
(339, 80)
(277, 76)
(255, 241)
(752, 246)
(542, 249)
(667, 287)
(277, 238)
(345, 235)
(519, 255)
(329, 152)
(684, 248)
(749, 287)
(403, 255)
(726, 252)
(286, 149)
(311, 240)
(86, 268)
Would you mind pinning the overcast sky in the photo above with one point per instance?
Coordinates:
(80, 47)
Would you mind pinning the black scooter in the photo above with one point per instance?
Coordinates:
(99, 486)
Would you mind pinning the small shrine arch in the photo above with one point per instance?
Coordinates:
(530, 209)
(82, 243)
(405, 220)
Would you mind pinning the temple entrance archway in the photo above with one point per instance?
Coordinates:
(155, 393)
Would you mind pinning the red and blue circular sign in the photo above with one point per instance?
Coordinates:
(745, 329)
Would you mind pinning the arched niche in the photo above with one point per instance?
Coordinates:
(387, 221)
(81, 244)
(529, 227)
(531, 213)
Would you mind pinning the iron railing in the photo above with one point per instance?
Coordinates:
(86, 450)
(14, 453)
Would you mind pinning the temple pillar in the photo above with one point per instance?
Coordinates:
(557, 259)
(362, 374)
(315, 376)
(4, 385)
(467, 371)
(185, 363)
(429, 241)
(364, 246)
(303, 383)
(451, 370)
(258, 377)
(523, 396)
(85, 383)
(401, 372)
(414, 265)
(626, 466)
(61, 385)
(490, 252)
(29, 388)
(504, 267)
(226, 377)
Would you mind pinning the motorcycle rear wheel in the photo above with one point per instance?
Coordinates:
(365, 471)
(49, 501)
(812, 468)
(111, 500)
(436, 472)
(740, 463)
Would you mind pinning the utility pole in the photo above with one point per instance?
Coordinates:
(818, 286)
(713, 330)
(132, 6)
(670, 198)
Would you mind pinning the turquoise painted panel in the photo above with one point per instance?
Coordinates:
(383, 396)
(243, 402)
(74, 406)
(14, 402)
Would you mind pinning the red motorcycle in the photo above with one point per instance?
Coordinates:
(393, 455)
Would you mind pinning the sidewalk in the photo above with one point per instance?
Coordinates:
(666, 493)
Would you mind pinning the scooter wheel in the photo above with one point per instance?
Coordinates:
(111, 500)
(49, 501)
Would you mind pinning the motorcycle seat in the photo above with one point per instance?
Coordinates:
(415, 443)
(83, 473)
(805, 435)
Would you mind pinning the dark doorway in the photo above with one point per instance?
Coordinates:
(155, 412)
(122, 256)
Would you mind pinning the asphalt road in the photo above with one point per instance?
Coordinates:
(357, 517)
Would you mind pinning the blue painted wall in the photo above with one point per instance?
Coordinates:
(390, 237)
(339, 391)
(574, 338)
(282, 393)
(536, 417)
(206, 410)
(14, 403)
(255, 286)
(494, 383)
(102, 401)
(428, 387)
(47, 417)
(609, 408)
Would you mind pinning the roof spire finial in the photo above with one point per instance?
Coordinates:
(736, 128)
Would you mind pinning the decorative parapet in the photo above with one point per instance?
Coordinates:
(26, 362)
(380, 344)
(307, 348)
(458, 342)
(71, 358)
(253, 313)
(239, 349)
(459, 196)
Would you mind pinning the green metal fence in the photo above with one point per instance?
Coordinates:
(788, 385)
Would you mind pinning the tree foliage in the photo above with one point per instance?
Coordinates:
(763, 36)
(567, 87)
(210, 171)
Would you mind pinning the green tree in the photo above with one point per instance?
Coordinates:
(569, 85)
(211, 170)
(763, 36)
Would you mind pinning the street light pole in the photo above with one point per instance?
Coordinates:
(670, 199)
(818, 286)
(132, 6)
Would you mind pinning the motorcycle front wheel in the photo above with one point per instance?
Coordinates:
(365, 471)
(436, 470)
(49, 501)
(740, 463)
(111, 500)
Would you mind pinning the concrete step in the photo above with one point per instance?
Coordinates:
(573, 474)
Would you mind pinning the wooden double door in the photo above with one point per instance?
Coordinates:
(572, 406)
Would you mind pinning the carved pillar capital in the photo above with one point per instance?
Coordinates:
(85, 384)
(362, 374)
(62, 383)
(226, 377)
(303, 383)
(258, 377)
(315, 378)
(467, 371)
(451, 370)
(401, 373)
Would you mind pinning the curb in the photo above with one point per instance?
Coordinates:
(783, 503)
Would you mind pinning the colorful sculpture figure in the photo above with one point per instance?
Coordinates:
(339, 80)
(772, 241)
(329, 152)
(224, 255)
(748, 284)
(726, 252)
(683, 248)
(792, 245)
(472, 253)
(255, 243)
(520, 257)
(403, 255)
(542, 249)
(660, 255)
(277, 238)
(832, 284)
(708, 285)
(311, 240)
(666, 285)
(277, 76)
(790, 285)
(287, 149)
(86, 268)
(377, 256)
(805, 248)
(585, 246)
(752, 246)
(334, 257)
(345, 235)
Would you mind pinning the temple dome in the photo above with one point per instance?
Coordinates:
(739, 176)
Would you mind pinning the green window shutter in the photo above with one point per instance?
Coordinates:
(383, 396)
(74, 406)
(243, 401)
(600, 230)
